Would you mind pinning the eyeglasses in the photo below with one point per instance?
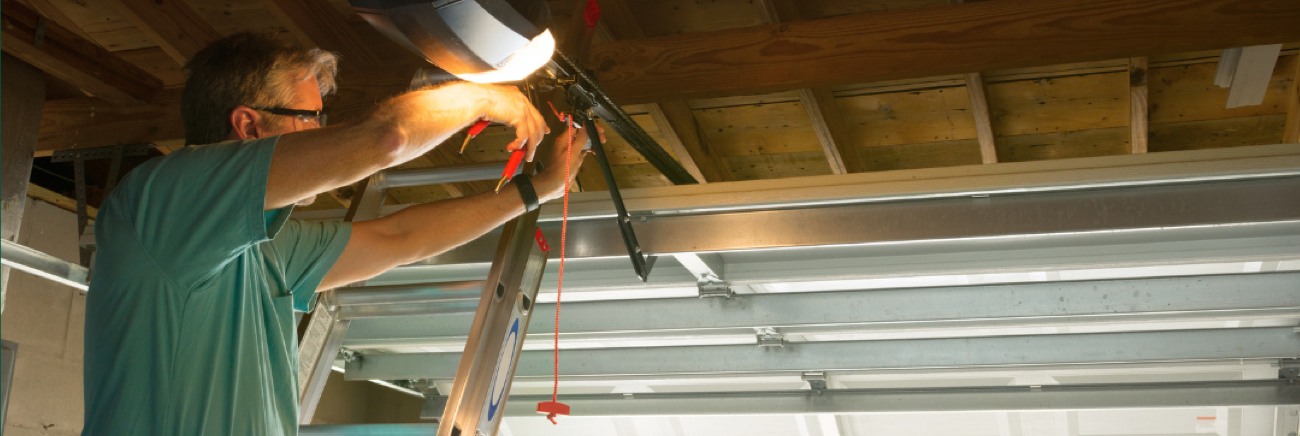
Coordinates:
(318, 117)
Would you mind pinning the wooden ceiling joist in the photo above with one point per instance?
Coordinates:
(173, 25)
(1291, 132)
(1137, 98)
(63, 54)
(317, 24)
(49, 11)
(933, 41)
(979, 110)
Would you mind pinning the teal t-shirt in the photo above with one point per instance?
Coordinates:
(189, 316)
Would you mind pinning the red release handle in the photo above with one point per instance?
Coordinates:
(552, 408)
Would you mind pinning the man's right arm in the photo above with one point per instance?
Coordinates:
(309, 162)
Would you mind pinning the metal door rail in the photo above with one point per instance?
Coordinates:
(1024, 304)
(35, 262)
(1126, 211)
(1052, 349)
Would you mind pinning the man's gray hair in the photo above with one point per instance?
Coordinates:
(247, 69)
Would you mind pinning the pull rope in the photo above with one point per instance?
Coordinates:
(564, 234)
(554, 407)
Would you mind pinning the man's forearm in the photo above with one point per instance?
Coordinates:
(430, 229)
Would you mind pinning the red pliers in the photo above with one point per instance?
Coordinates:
(516, 157)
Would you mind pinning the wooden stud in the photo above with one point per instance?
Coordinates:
(60, 201)
(886, 45)
(1137, 97)
(62, 54)
(979, 110)
(173, 25)
(1291, 133)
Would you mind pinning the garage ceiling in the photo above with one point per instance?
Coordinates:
(893, 190)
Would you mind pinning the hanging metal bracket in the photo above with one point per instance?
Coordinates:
(587, 105)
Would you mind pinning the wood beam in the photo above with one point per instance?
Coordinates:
(1137, 107)
(62, 54)
(47, 10)
(93, 122)
(820, 103)
(173, 25)
(676, 122)
(1291, 133)
(979, 110)
(315, 24)
(923, 42)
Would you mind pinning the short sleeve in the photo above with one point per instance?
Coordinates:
(304, 252)
(200, 207)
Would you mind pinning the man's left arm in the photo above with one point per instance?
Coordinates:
(426, 230)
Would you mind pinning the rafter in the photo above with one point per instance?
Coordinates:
(1138, 110)
(173, 25)
(62, 54)
(925, 42)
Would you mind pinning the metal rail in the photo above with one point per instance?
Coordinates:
(35, 262)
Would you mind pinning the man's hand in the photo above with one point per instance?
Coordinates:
(429, 116)
(550, 181)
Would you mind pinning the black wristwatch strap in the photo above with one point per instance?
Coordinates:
(527, 192)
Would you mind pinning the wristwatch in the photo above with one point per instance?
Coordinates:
(526, 192)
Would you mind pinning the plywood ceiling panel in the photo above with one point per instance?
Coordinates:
(926, 116)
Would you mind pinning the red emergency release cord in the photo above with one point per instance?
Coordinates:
(555, 407)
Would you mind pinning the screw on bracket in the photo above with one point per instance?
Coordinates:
(349, 356)
(769, 338)
(715, 289)
(816, 380)
(1289, 370)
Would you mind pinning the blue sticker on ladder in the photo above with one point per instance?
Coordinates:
(500, 378)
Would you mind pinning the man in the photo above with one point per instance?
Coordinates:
(189, 322)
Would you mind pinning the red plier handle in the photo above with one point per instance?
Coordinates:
(473, 131)
(512, 165)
